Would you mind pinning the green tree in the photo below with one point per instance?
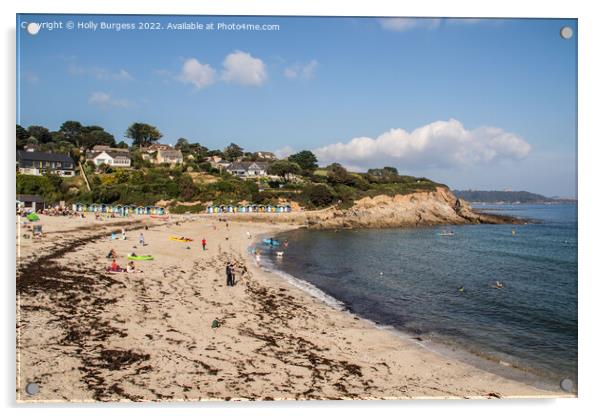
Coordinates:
(122, 145)
(42, 134)
(143, 134)
(22, 136)
(93, 135)
(305, 159)
(71, 131)
(233, 151)
(337, 174)
(284, 169)
(183, 145)
(318, 195)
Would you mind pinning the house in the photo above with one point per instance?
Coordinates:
(217, 162)
(265, 155)
(39, 163)
(169, 156)
(30, 202)
(161, 153)
(112, 156)
(248, 169)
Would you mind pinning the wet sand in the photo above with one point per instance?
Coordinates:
(84, 334)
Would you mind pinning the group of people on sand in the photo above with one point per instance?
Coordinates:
(115, 268)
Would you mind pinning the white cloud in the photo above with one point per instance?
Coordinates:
(284, 152)
(241, 68)
(304, 71)
(402, 24)
(104, 100)
(441, 144)
(196, 73)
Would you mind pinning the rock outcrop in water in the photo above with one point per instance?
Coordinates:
(418, 209)
(439, 207)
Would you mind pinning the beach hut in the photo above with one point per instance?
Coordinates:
(287, 208)
(78, 207)
(117, 209)
(94, 208)
(103, 207)
(139, 210)
(147, 209)
(230, 208)
(160, 210)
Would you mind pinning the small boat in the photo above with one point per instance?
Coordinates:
(271, 242)
(446, 233)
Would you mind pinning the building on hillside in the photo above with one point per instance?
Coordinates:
(265, 155)
(248, 169)
(40, 163)
(169, 156)
(30, 202)
(217, 162)
(161, 153)
(112, 156)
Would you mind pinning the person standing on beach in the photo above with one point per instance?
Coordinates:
(141, 240)
(228, 275)
(248, 235)
(204, 244)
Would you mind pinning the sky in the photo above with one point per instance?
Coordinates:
(472, 103)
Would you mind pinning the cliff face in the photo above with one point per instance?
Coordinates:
(438, 207)
(417, 209)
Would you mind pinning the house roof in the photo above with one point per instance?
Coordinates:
(30, 198)
(171, 153)
(41, 156)
(247, 165)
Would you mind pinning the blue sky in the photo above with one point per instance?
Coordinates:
(481, 104)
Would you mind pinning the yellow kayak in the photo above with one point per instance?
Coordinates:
(180, 239)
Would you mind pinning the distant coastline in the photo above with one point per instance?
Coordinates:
(509, 197)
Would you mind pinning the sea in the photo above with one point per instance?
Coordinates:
(500, 297)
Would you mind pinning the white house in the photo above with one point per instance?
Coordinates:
(114, 157)
(248, 169)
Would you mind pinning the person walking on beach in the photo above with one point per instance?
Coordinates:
(228, 275)
(248, 235)
(141, 240)
(204, 244)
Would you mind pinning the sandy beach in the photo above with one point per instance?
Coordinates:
(84, 334)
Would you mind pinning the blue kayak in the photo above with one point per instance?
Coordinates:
(272, 243)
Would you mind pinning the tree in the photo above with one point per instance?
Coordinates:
(318, 195)
(72, 131)
(233, 151)
(188, 190)
(41, 133)
(337, 174)
(284, 169)
(122, 145)
(183, 145)
(93, 135)
(22, 136)
(143, 134)
(305, 159)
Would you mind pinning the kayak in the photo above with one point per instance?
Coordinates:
(180, 239)
(147, 257)
(269, 242)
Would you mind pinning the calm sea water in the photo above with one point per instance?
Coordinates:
(410, 279)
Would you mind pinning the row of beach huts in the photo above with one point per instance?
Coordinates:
(124, 210)
(118, 209)
(218, 209)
